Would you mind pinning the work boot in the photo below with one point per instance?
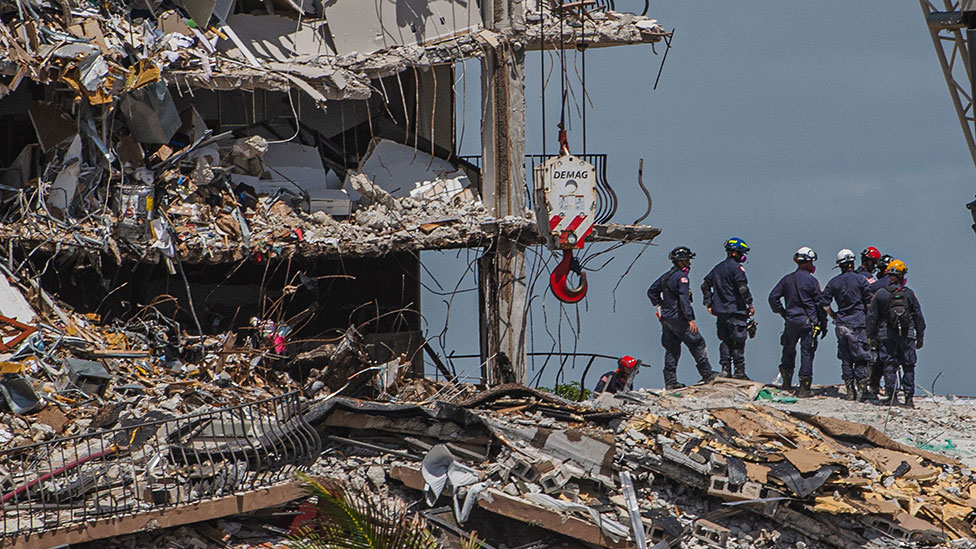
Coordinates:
(787, 374)
(726, 370)
(672, 385)
(804, 391)
(740, 372)
(708, 378)
(864, 393)
(851, 392)
(909, 402)
(875, 388)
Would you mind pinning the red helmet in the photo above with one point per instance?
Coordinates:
(871, 253)
(628, 362)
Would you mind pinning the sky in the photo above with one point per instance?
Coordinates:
(824, 124)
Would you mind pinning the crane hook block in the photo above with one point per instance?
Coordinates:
(558, 279)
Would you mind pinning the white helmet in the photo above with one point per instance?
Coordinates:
(804, 254)
(845, 256)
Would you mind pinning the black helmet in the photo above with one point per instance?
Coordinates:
(681, 252)
(883, 264)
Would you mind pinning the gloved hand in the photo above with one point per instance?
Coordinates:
(918, 343)
(823, 331)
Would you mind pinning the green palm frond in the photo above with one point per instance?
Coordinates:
(360, 521)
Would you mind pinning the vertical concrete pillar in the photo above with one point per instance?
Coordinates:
(502, 267)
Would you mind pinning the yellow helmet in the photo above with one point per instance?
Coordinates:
(896, 267)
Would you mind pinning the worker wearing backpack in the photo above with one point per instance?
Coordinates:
(897, 328)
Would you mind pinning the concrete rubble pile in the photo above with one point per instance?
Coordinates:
(117, 168)
(527, 469)
(709, 466)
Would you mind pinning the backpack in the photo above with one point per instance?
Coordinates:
(899, 311)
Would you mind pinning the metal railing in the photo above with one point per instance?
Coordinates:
(606, 204)
(148, 465)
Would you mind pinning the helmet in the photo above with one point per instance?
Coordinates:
(883, 263)
(628, 362)
(845, 256)
(681, 252)
(804, 254)
(871, 253)
(736, 245)
(897, 267)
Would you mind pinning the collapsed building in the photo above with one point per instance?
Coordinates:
(212, 219)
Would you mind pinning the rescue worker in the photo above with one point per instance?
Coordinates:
(805, 319)
(671, 296)
(877, 365)
(870, 258)
(850, 291)
(726, 295)
(896, 326)
(621, 379)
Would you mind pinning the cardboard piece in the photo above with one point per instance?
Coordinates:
(52, 126)
(807, 461)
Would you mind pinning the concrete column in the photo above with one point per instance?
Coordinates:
(502, 267)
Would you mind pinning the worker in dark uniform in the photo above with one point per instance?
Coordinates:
(870, 258)
(621, 379)
(805, 319)
(850, 291)
(726, 295)
(876, 371)
(896, 326)
(671, 296)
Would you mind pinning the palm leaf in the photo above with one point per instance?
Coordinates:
(360, 521)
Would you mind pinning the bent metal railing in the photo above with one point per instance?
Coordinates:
(149, 465)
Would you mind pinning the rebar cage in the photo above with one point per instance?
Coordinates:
(148, 465)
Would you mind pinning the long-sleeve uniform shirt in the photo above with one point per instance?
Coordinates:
(868, 275)
(726, 288)
(802, 296)
(852, 293)
(672, 293)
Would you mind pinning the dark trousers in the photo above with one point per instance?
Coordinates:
(674, 332)
(853, 352)
(899, 352)
(733, 334)
(793, 333)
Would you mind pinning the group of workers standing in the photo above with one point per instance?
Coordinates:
(878, 320)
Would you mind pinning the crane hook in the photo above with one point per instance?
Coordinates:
(557, 280)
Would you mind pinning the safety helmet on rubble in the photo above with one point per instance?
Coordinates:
(871, 253)
(804, 255)
(681, 252)
(627, 362)
(845, 256)
(897, 267)
(736, 245)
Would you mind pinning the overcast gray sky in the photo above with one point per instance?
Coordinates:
(822, 124)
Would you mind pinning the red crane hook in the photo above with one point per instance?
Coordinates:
(557, 280)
